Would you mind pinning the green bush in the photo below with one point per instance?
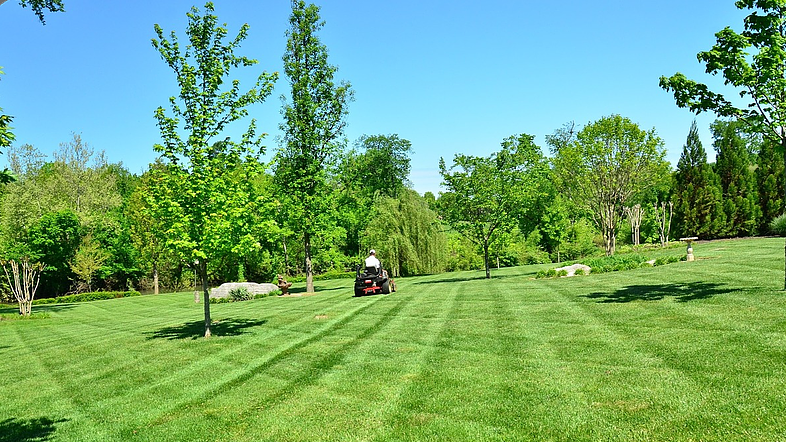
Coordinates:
(86, 297)
(240, 294)
(332, 274)
(579, 272)
(778, 225)
(562, 273)
(220, 300)
(265, 295)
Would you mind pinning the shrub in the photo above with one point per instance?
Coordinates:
(579, 272)
(265, 295)
(86, 297)
(240, 294)
(562, 273)
(778, 225)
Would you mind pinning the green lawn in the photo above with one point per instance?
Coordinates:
(682, 352)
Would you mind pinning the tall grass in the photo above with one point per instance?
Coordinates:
(684, 352)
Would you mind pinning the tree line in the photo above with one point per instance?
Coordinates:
(208, 210)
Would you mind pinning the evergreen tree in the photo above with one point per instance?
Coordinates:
(769, 177)
(738, 183)
(697, 205)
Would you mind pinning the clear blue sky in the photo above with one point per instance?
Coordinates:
(451, 77)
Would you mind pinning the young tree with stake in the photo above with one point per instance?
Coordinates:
(207, 210)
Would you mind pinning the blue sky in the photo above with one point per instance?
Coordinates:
(451, 77)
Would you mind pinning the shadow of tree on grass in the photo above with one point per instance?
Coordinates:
(196, 329)
(655, 292)
(31, 430)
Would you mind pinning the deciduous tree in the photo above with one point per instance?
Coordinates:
(608, 162)
(206, 205)
(314, 120)
(39, 6)
(483, 193)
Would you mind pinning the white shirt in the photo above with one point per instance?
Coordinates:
(372, 261)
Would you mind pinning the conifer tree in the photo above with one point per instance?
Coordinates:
(738, 183)
(769, 177)
(697, 209)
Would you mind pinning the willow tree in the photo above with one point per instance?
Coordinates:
(604, 166)
(751, 62)
(406, 234)
(314, 121)
(204, 192)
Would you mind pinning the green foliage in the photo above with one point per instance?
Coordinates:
(698, 209)
(485, 194)
(88, 261)
(240, 294)
(86, 297)
(462, 254)
(314, 119)
(770, 181)
(39, 6)
(738, 183)
(54, 241)
(406, 235)
(205, 193)
(778, 225)
(613, 155)
(616, 263)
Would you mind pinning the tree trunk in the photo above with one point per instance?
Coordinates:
(486, 258)
(309, 269)
(286, 257)
(155, 279)
(206, 296)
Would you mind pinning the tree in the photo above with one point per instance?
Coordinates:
(609, 162)
(6, 138)
(23, 280)
(697, 197)
(406, 235)
(634, 214)
(314, 120)
(485, 192)
(88, 260)
(769, 177)
(751, 62)
(53, 241)
(203, 204)
(39, 6)
(378, 167)
(738, 183)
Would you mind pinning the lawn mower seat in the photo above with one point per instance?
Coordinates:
(371, 271)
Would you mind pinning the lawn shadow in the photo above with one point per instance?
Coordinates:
(28, 430)
(317, 289)
(479, 277)
(53, 308)
(196, 329)
(654, 292)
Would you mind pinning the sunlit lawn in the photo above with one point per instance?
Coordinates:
(683, 352)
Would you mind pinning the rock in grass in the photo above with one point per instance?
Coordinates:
(223, 290)
(572, 269)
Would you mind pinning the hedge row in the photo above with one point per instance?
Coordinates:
(333, 274)
(613, 263)
(85, 297)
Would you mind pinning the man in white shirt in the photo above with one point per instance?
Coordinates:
(372, 260)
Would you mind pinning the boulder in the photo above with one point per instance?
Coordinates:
(572, 269)
(223, 290)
